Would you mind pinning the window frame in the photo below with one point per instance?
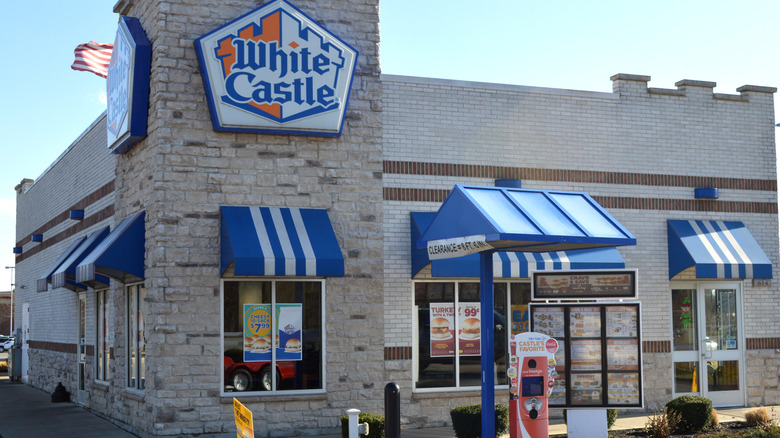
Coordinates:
(135, 363)
(102, 313)
(456, 358)
(323, 331)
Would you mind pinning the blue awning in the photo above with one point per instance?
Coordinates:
(274, 241)
(120, 255)
(476, 219)
(717, 249)
(65, 276)
(508, 264)
(43, 283)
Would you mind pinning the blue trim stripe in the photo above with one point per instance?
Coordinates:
(718, 249)
(275, 241)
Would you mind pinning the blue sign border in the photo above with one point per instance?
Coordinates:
(138, 102)
(217, 123)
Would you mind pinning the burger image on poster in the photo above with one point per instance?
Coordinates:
(440, 328)
(289, 335)
(470, 329)
(292, 346)
(260, 344)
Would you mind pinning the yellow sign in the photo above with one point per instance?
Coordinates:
(244, 428)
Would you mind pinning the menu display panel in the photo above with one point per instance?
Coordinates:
(578, 285)
(599, 359)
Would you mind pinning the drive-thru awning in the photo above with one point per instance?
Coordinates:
(42, 284)
(718, 249)
(485, 220)
(119, 256)
(65, 276)
(508, 264)
(473, 219)
(276, 241)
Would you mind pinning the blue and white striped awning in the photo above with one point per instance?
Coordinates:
(65, 276)
(718, 249)
(119, 256)
(508, 264)
(275, 241)
(43, 282)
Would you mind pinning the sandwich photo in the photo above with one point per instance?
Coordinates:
(292, 346)
(440, 328)
(259, 344)
(470, 329)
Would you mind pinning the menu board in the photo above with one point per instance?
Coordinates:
(585, 322)
(599, 359)
(623, 389)
(586, 389)
(622, 321)
(622, 354)
(562, 285)
(549, 321)
(586, 355)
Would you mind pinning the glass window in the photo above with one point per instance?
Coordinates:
(684, 319)
(273, 335)
(449, 324)
(136, 346)
(102, 350)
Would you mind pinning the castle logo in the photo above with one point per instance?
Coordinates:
(276, 70)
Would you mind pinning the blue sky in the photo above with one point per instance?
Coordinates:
(560, 44)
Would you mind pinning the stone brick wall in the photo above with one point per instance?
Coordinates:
(180, 175)
(638, 151)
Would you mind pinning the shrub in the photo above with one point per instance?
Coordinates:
(695, 412)
(769, 432)
(758, 417)
(376, 425)
(611, 417)
(467, 420)
(715, 421)
(662, 424)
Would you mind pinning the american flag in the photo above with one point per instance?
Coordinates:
(93, 57)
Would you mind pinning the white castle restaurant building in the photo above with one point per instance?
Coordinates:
(244, 219)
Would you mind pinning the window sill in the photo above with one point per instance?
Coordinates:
(101, 385)
(134, 394)
(227, 398)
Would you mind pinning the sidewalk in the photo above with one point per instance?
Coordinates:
(28, 412)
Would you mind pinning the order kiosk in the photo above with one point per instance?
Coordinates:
(532, 374)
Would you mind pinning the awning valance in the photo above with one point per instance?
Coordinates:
(508, 264)
(476, 219)
(275, 241)
(120, 255)
(43, 282)
(718, 249)
(65, 275)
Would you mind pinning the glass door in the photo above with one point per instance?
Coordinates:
(707, 342)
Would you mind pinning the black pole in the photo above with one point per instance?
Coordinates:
(392, 410)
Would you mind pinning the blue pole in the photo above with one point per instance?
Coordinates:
(486, 344)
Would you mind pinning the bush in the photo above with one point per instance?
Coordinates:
(467, 420)
(695, 413)
(376, 425)
(769, 432)
(611, 417)
(758, 417)
(715, 421)
(662, 424)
